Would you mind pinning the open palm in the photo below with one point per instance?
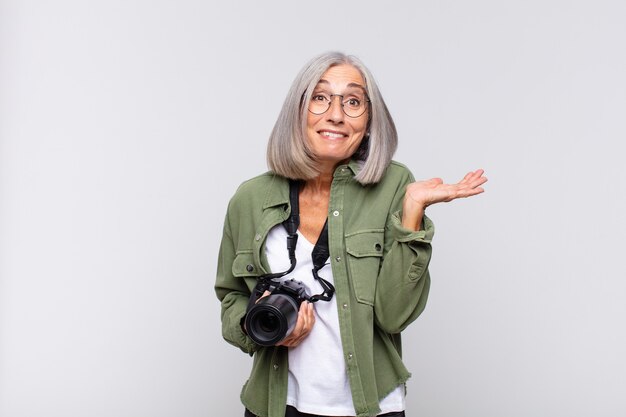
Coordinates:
(434, 190)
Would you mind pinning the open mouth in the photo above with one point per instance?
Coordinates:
(332, 135)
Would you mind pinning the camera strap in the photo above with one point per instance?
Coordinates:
(320, 253)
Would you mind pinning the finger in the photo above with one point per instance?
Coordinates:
(309, 318)
(429, 181)
(308, 314)
(478, 182)
(312, 309)
(265, 294)
(467, 177)
(470, 192)
(297, 329)
(454, 191)
(300, 330)
(288, 341)
(475, 191)
(306, 309)
(292, 340)
(305, 320)
(474, 180)
(475, 174)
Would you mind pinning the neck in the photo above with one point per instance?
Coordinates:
(322, 182)
(319, 184)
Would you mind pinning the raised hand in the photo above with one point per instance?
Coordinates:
(422, 194)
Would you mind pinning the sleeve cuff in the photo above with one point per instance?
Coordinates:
(234, 333)
(402, 234)
(246, 343)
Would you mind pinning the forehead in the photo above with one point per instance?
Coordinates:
(343, 76)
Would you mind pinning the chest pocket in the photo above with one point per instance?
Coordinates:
(243, 265)
(365, 252)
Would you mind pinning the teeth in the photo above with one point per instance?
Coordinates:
(332, 135)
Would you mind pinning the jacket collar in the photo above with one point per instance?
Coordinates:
(355, 166)
(278, 190)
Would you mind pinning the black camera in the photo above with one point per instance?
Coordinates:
(272, 318)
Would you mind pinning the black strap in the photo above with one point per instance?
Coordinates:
(291, 225)
(320, 253)
(293, 222)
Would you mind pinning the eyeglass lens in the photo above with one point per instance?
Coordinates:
(353, 104)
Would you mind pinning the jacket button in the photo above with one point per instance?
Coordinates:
(276, 367)
(335, 213)
(349, 355)
(338, 258)
(378, 247)
(257, 237)
(250, 268)
(345, 306)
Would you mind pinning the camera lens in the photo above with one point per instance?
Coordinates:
(272, 319)
(268, 322)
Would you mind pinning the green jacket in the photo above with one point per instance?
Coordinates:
(380, 273)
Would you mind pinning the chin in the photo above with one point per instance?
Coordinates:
(336, 159)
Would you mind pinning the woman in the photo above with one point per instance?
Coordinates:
(343, 357)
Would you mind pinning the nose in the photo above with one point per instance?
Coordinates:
(335, 112)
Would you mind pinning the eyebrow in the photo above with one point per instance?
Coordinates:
(349, 85)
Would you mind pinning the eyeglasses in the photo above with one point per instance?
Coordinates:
(352, 104)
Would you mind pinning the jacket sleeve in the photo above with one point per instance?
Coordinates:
(403, 282)
(233, 295)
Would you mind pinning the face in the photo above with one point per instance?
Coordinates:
(333, 136)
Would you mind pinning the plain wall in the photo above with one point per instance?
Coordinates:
(126, 126)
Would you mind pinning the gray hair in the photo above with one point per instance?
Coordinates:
(288, 153)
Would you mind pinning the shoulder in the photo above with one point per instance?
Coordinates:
(397, 173)
(398, 168)
(254, 193)
(255, 184)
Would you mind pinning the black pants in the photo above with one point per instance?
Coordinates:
(292, 412)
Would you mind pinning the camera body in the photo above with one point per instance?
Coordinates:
(272, 318)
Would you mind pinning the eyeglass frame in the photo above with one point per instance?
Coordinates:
(330, 102)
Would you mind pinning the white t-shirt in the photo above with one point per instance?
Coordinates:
(318, 382)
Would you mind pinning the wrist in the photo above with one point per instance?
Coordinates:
(413, 204)
(412, 214)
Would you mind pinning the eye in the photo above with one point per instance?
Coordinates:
(319, 97)
(353, 102)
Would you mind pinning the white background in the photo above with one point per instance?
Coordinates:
(125, 127)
